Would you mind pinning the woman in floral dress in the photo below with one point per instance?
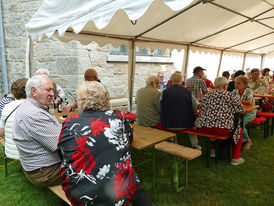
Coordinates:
(219, 114)
(96, 157)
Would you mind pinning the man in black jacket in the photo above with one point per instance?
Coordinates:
(177, 106)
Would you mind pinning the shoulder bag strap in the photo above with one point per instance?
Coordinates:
(11, 113)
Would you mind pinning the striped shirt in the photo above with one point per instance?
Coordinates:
(3, 102)
(36, 135)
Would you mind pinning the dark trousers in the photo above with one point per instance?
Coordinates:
(44, 177)
(141, 198)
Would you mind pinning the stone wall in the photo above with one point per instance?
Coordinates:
(15, 14)
(68, 61)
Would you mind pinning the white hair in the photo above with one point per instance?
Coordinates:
(220, 82)
(176, 77)
(152, 79)
(42, 71)
(158, 74)
(35, 82)
(92, 95)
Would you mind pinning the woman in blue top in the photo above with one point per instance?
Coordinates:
(246, 96)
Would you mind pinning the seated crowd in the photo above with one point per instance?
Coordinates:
(170, 107)
(90, 153)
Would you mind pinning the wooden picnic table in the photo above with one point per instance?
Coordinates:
(251, 107)
(143, 137)
(268, 96)
(247, 107)
(59, 116)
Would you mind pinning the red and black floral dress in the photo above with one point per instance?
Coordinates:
(96, 159)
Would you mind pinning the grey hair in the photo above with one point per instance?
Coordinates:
(158, 74)
(35, 82)
(176, 77)
(42, 71)
(92, 95)
(220, 82)
(152, 79)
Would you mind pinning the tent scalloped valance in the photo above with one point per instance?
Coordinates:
(77, 13)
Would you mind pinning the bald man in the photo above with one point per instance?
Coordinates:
(89, 75)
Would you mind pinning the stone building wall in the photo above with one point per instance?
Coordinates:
(68, 61)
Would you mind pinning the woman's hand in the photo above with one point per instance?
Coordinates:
(248, 102)
(243, 111)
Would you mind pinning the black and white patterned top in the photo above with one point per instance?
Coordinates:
(36, 134)
(220, 109)
(196, 85)
(96, 162)
(3, 102)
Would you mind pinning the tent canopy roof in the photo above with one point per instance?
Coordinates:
(221, 24)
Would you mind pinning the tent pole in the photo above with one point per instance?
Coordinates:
(220, 63)
(3, 54)
(131, 73)
(243, 66)
(262, 61)
(29, 57)
(185, 63)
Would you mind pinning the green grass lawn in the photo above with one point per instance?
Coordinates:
(222, 184)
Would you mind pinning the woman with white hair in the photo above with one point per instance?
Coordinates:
(95, 149)
(219, 114)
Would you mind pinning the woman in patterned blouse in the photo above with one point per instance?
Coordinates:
(246, 96)
(96, 157)
(219, 114)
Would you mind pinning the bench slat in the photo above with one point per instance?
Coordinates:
(178, 150)
(59, 192)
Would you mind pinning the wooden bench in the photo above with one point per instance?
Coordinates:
(59, 192)
(183, 152)
(210, 138)
(55, 189)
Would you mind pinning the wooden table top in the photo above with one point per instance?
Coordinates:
(144, 137)
(264, 95)
(247, 107)
(250, 107)
(59, 116)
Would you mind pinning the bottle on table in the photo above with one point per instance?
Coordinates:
(65, 108)
(59, 104)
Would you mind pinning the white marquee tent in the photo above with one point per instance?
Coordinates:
(226, 27)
